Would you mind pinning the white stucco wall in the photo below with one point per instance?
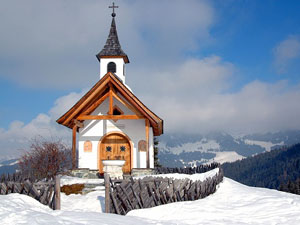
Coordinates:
(94, 129)
(119, 67)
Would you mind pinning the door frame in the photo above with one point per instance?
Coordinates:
(118, 133)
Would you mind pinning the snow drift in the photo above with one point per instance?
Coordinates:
(233, 203)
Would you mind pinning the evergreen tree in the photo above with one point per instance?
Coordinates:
(156, 160)
(277, 169)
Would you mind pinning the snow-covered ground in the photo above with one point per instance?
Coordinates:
(233, 203)
(22, 209)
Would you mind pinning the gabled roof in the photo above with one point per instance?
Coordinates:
(112, 47)
(95, 96)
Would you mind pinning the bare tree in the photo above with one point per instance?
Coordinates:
(45, 159)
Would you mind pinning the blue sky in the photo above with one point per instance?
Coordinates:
(237, 57)
(248, 31)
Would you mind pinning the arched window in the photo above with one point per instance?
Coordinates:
(111, 67)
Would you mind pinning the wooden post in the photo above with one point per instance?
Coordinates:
(57, 193)
(147, 141)
(107, 192)
(111, 100)
(74, 147)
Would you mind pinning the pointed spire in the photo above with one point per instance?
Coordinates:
(112, 46)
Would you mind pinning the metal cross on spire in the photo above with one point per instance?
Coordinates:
(113, 7)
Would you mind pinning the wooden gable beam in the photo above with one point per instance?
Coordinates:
(124, 93)
(85, 102)
(96, 104)
(110, 117)
(126, 104)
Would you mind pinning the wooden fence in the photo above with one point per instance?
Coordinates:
(187, 170)
(125, 195)
(46, 192)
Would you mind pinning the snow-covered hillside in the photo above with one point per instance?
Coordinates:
(178, 150)
(8, 166)
(233, 203)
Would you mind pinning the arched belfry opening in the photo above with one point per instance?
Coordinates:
(111, 67)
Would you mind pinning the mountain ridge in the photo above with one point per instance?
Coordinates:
(179, 150)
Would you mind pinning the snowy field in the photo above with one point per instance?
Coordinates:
(233, 203)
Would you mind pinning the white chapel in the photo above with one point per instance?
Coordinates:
(109, 122)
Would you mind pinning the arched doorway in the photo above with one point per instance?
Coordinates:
(115, 146)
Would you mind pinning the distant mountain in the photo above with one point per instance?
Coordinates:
(270, 169)
(8, 166)
(178, 150)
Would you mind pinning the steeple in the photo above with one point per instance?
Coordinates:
(112, 58)
(112, 46)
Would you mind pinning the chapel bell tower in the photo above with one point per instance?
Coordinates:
(112, 58)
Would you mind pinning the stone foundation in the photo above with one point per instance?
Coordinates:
(85, 173)
(115, 172)
(135, 172)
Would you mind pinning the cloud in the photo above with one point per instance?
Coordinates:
(192, 78)
(64, 103)
(17, 138)
(196, 97)
(192, 97)
(286, 52)
(53, 44)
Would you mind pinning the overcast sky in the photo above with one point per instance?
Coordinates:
(201, 66)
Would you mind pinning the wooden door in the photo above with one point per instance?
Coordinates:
(115, 146)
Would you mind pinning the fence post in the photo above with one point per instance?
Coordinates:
(57, 193)
(107, 192)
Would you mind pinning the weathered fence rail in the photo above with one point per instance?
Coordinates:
(126, 195)
(187, 170)
(45, 192)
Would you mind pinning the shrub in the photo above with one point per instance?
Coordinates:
(45, 159)
(72, 189)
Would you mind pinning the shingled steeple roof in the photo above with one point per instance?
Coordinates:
(112, 46)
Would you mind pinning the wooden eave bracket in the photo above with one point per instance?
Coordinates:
(78, 123)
